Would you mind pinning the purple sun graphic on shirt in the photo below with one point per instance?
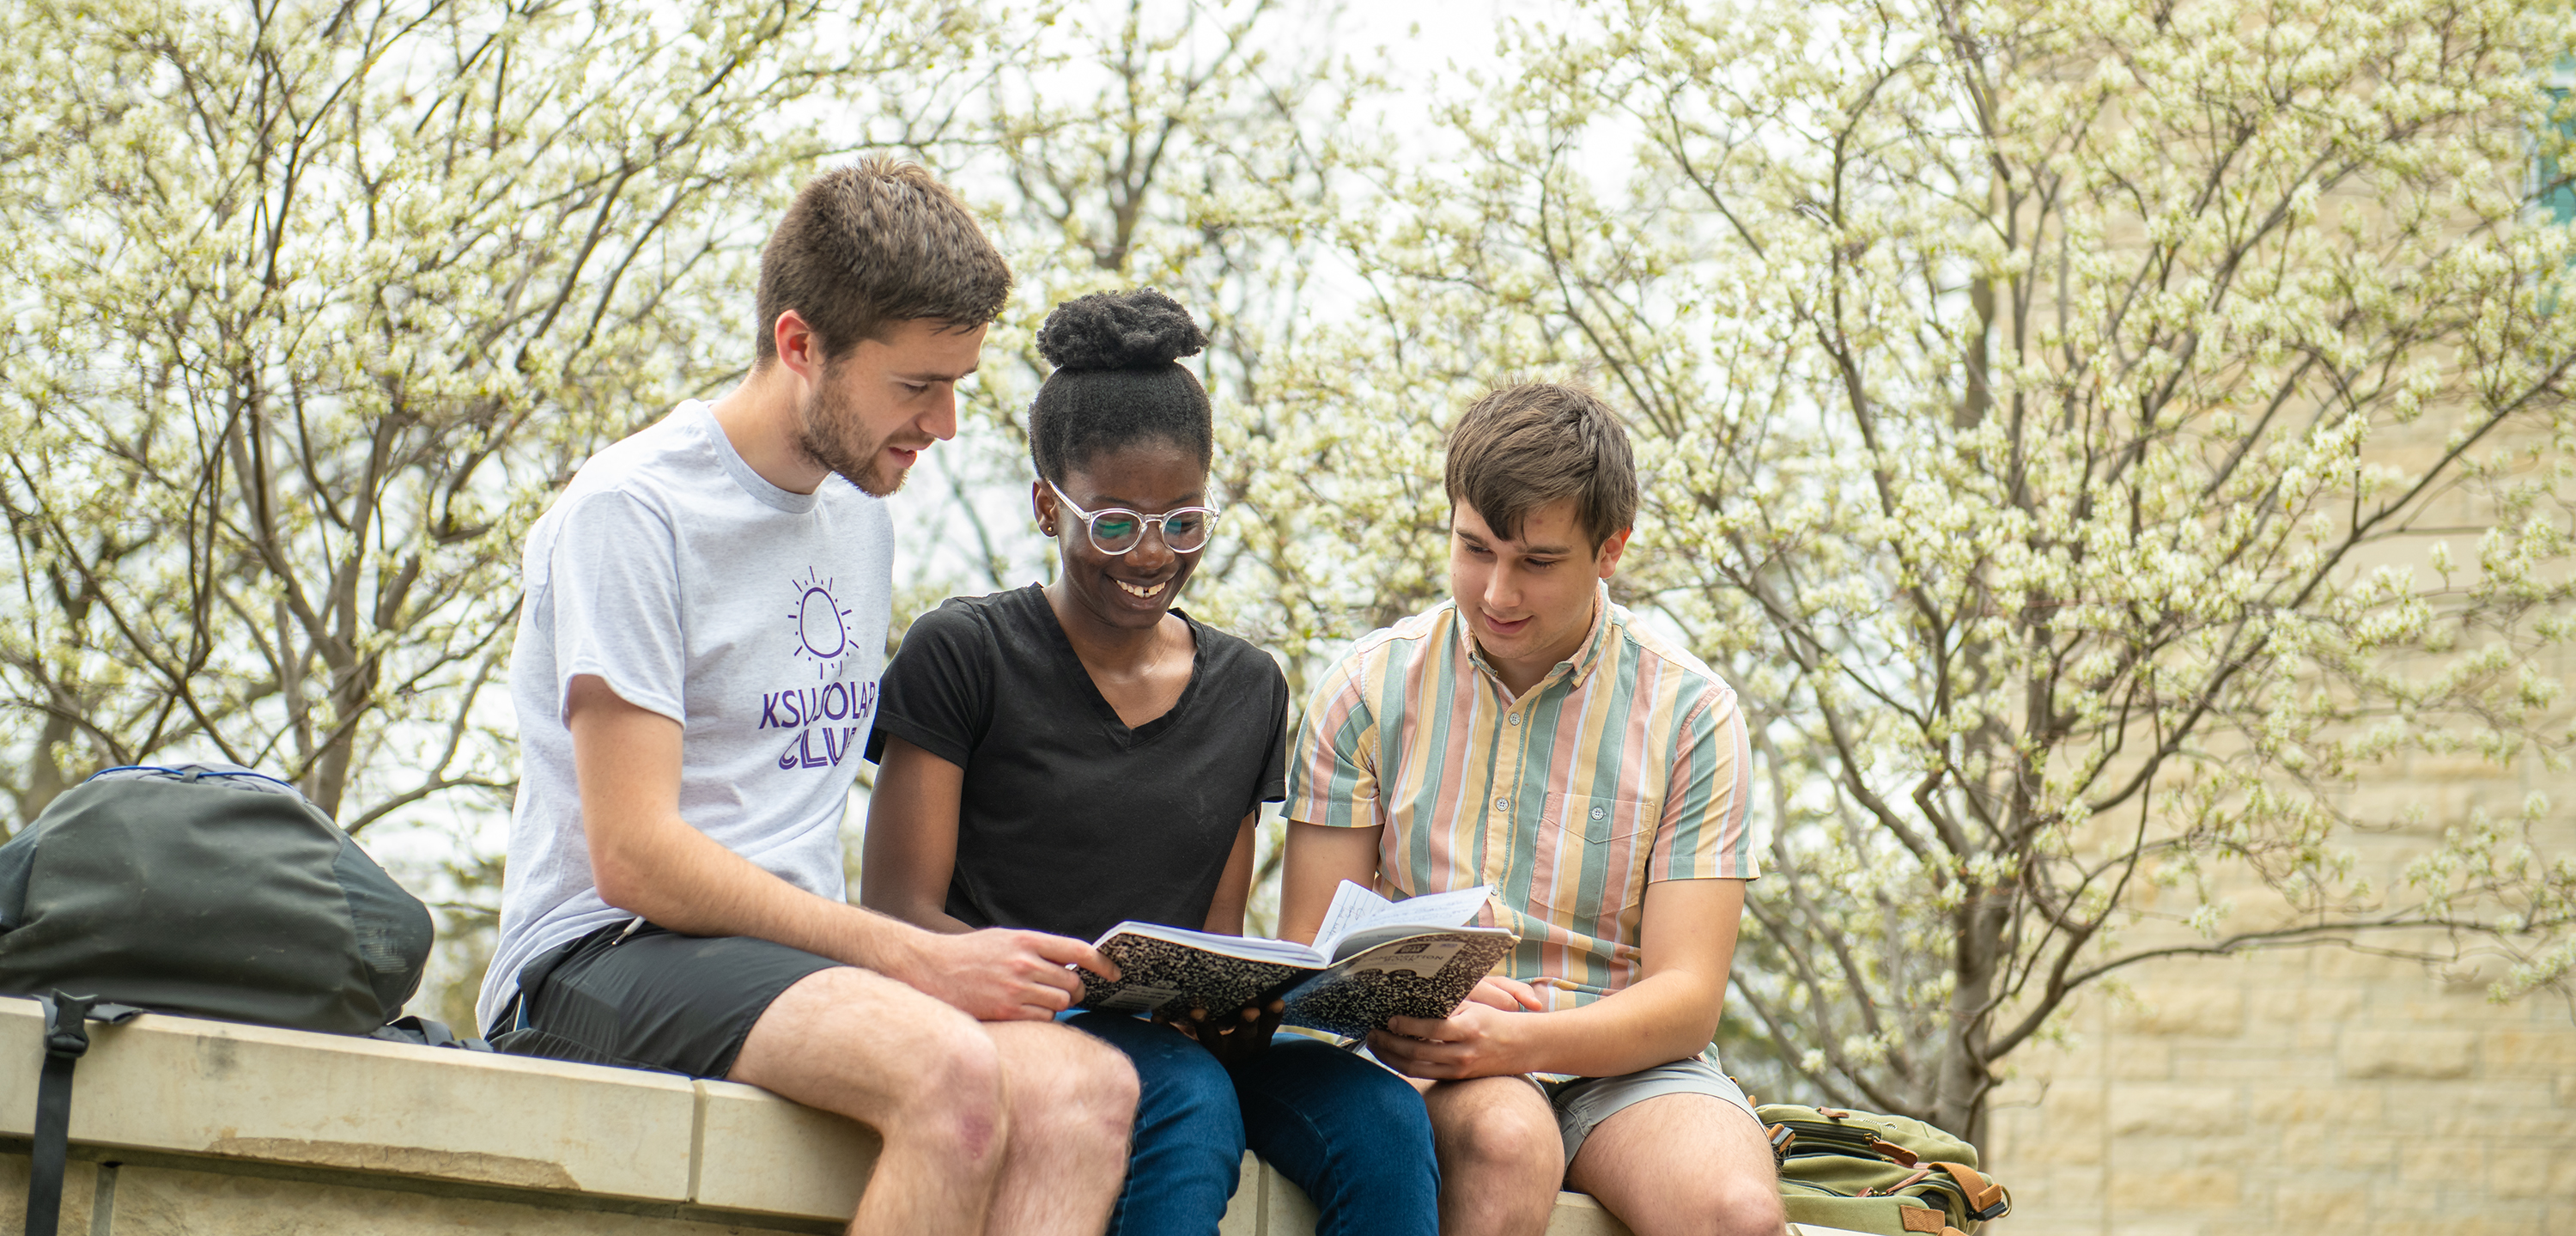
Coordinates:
(822, 626)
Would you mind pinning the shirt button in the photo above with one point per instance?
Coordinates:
(1597, 813)
(1502, 804)
(1514, 718)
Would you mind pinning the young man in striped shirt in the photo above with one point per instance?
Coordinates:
(1531, 735)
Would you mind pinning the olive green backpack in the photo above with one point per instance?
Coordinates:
(1881, 1174)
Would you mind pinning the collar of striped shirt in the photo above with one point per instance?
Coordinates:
(1586, 658)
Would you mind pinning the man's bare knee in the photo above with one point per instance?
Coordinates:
(873, 1049)
(1750, 1207)
(1489, 1132)
(1066, 1081)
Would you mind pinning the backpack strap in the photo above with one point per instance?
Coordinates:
(1987, 1200)
(66, 1041)
(425, 1032)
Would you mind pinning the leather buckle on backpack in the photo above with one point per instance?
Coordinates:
(1781, 1140)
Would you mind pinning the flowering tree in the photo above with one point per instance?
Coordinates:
(311, 306)
(1167, 144)
(2091, 437)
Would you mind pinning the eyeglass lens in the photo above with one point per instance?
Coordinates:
(1117, 531)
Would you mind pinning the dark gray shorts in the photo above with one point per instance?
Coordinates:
(1582, 1103)
(650, 999)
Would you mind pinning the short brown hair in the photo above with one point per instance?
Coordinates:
(1524, 446)
(877, 242)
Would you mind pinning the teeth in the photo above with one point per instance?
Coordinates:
(1134, 591)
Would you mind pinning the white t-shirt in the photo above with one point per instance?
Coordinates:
(754, 617)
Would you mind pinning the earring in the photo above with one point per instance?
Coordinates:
(1048, 529)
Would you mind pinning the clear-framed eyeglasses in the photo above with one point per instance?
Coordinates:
(1115, 529)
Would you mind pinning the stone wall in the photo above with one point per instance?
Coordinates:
(2316, 1089)
(183, 1127)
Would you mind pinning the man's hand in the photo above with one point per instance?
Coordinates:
(1231, 1038)
(999, 974)
(1477, 1040)
(1508, 994)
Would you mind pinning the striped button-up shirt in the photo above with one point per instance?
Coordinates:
(1622, 767)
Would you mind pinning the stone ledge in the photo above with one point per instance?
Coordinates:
(185, 1125)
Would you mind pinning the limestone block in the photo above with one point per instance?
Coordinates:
(2211, 1010)
(2336, 963)
(759, 1152)
(80, 1189)
(1285, 1209)
(2438, 1161)
(2434, 1054)
(2523, 1171)
(288, 1096)
(2188, 1111)
(2166, 1193)
(2321, 1208)
(1243, 1210)
(2299, 1143)
(1578, 1215)
(2501, 1103)
(2337, 1105)
(2531, 1053)
(2365, 1152)
(2138, 1058)
(2264, 1066)
(2163, 1220)
(2081, 1147)
(2474, 1225)
(164, 1202)
(2305, 1004)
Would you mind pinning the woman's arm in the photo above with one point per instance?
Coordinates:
(911, 846)
(1234, 888)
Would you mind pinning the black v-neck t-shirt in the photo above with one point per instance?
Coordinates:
(1069, 821)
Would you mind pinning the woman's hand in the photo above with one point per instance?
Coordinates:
(1232, 1038)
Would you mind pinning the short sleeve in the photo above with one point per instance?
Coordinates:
(1332, 771)
(937, 692)
(612, 598)
(1706, 831)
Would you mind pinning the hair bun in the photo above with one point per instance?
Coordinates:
(1137, 329)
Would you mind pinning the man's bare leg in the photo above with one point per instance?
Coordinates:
(1072, 1101)
(1500, 1155)
(925, 1076)
(1682, 1163)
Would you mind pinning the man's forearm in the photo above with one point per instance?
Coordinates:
(1319, 858)
(1658, 1020)
(681, 879)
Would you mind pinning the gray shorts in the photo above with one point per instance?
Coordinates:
(1582, 1103)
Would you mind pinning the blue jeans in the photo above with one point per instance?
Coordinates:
(1352, 1135)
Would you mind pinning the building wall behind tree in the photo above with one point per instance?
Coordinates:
(2317, 1089)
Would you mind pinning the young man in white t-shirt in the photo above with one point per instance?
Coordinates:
(695, 677)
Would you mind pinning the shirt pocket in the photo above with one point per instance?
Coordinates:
(1591, 857)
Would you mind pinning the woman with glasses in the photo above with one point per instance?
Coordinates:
(1062, 758)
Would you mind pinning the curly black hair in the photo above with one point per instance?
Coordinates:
(1117, 381)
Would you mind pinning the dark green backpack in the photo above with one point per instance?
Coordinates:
(1888, 1175)
(206, 890)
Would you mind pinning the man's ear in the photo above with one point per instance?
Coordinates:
(798, 347)
(1613, 545)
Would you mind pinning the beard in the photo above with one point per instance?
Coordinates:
(829, 432)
